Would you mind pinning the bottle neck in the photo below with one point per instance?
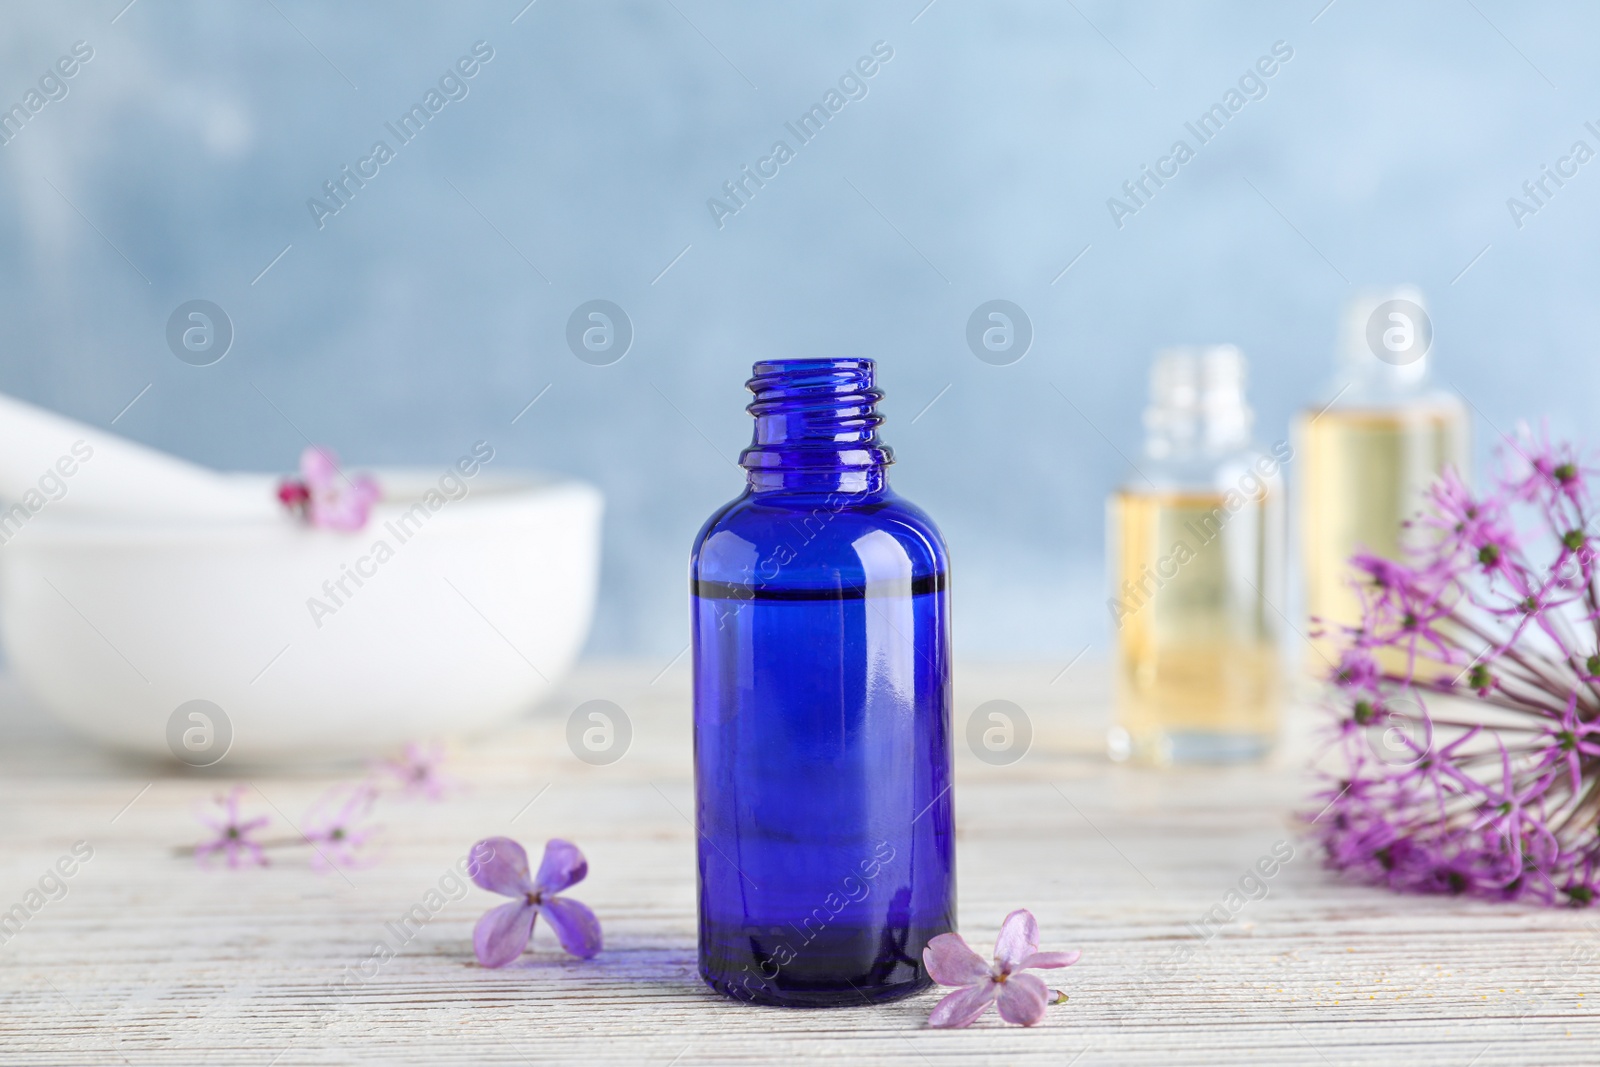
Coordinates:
(816, 428)
(1385, 344)
(1197, 408)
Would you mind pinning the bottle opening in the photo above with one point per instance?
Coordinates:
(816, 425)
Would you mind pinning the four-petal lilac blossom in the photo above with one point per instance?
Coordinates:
(325, 495)
(233, 834)
(503, 933)
(1021, 998)
(335, 826)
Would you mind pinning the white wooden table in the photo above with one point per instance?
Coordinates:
(148, 960)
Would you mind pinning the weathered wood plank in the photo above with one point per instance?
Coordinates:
(147, 961)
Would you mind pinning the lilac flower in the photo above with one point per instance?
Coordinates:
(325, 496)
(417, 771)
(334, 826)
(233, 834)
(504, 932)
(1470, 762)
(1021, 997)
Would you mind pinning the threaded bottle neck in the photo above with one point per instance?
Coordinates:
(816, 426)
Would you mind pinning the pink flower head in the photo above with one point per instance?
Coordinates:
(335, 827)
(1021, 997)
(417, 771)
(233, 832)
(325, 495)
(504, 932)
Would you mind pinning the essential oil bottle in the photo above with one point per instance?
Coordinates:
(1370, 446)
(821, 635)
(1196, 555)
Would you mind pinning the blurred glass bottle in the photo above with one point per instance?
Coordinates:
(1369, 449)
(1195, 551)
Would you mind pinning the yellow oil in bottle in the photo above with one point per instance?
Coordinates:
(1364, 473)
(1197, 665)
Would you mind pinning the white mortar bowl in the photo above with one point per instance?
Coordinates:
(114, 623)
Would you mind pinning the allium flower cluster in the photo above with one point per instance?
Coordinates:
(1465, 755)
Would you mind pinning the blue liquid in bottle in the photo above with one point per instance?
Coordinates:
(821, 628)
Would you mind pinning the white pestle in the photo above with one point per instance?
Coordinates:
(52, 463)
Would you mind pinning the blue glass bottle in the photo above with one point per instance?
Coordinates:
(821, 628)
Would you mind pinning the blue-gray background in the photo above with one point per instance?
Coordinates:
(977, 167)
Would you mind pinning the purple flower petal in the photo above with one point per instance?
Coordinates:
(575, 926)
(344, 507)
(319, 467)
(1019, 938)
(951, 961)
(1022, 999)
(563, 865)
(964, 1006)
(1047, 960)
(326, 496)
(503, 933)
(505, 871)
